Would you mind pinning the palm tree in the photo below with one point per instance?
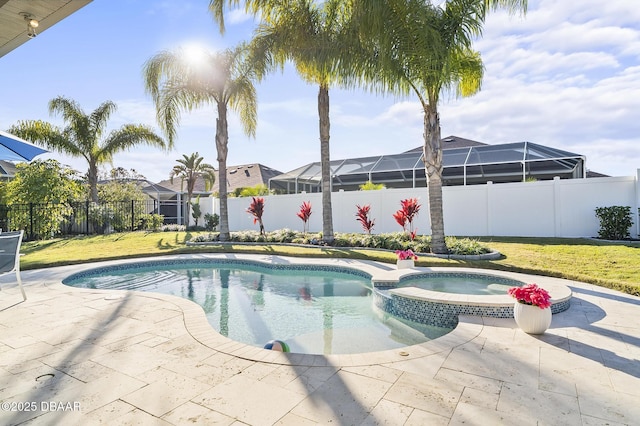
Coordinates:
(310, 34)
(178, 82)
(189, 169)
(417, 47)
(83, 135)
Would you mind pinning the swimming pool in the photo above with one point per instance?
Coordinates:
(315, 310)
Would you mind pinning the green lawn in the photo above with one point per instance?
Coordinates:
(611, 265)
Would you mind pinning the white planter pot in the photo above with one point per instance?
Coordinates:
(531, 319)
(405, 264)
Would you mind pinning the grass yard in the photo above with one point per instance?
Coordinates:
(612, 265)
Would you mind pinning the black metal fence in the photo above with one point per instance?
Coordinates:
(43, 221)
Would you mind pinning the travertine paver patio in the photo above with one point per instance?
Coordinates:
(142, 358)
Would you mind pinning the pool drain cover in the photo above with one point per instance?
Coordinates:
(45, 377)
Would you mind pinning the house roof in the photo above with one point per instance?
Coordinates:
(243, 176)
(452, 142)
(592, 174)
(7, 169)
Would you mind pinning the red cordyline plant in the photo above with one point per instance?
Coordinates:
(304, 213)
(405, 216)
(256, 208)
(406, 255)
(531, 294)
(362, 216)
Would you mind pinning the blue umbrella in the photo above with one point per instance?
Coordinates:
(12, 148)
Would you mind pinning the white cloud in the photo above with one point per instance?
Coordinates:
(404, 113)
(566, 75)
(134, 111)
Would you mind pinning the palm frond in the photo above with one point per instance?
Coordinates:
(69, 109)
(47, 135)
(78, 123)
(512, 6)
(99, 117)
(126, 138)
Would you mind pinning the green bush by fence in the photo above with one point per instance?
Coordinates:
(615, 222)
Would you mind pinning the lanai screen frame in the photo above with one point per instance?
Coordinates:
(410, 167)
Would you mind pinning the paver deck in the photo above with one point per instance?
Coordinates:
(75, 356)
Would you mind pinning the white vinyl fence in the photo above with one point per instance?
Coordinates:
(557, 208)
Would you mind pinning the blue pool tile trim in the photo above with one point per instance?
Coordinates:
(212, 263)
(444, 314)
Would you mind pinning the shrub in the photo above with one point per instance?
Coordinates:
(370, 186)
(173, 227)
(254, 191)
(196, 211)
(205, 238)
(615, 222)
(395, 241)
(151, 222)
(211, 221)
(465, 246)
(281, 236)
(101, 217)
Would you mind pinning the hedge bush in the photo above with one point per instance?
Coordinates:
(615, 222)
(394, 241)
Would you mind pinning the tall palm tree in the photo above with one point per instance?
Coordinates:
(179, 82)
(84, 135)
(414, 46)
(189, 169)
(310, 34)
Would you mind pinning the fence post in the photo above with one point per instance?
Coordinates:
(86, 221)
(132, 214)
(557, 208)
(30, 220)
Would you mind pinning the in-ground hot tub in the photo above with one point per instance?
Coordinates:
(437, 298)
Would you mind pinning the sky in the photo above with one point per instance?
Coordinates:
(565, 75)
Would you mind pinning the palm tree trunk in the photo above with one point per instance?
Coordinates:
(92, 177)
(222, 141)
(325, 158)
(433, 166)
(188, 214)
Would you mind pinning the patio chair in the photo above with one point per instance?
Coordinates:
(10, 255)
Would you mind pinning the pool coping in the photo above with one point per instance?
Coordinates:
(199, 328)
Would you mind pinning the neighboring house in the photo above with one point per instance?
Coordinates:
(466, 162)
(7, 170)
(174, 193)
(243, 176)
(160, 200)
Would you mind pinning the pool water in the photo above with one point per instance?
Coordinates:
(475, 284)
(314, 312)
